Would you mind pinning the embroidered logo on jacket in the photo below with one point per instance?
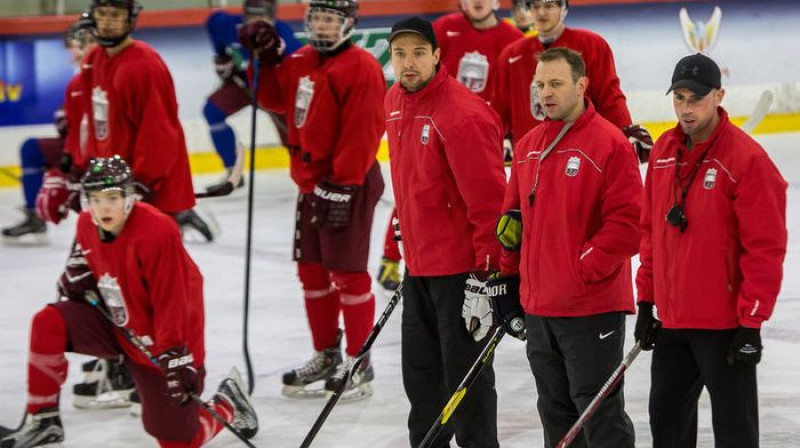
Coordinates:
(302, 101)
(100, 112)
(112, 296)
(573, 165)
(426, 134)
(473, 71)
(710, 179)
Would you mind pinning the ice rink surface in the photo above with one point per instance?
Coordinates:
(279, 337)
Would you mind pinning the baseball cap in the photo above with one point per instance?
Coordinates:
(414, 25)
(698, 73)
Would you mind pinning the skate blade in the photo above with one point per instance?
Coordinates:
(107, 400)
(303, 393)
(358, 393)
(29, 240)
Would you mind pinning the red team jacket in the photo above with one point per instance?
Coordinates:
(456, 37)
(149, 283)
(580, 234)
(517, 65)
(133, 112)
(74, 110)
(445, 148)
(725, 270)
(333, 111)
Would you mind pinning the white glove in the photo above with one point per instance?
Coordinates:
(477, 309)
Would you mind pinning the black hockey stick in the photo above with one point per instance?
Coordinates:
(459, 394)
(605, 391)
(139, 344)
(230, 183)
(362, 353)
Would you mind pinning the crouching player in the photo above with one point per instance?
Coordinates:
(130, 262)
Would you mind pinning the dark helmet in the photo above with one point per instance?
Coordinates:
(81, 30)
(133, 12)
(266, 8)
(104, 174)
(347, 10)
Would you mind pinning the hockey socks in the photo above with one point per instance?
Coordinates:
(221, 134)
(322, 304)
(47, 366)
(32, 170)
(358, 307)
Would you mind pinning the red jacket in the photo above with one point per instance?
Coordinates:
(336, 121)
(456, 37)
(446, 153)
(725, 269)
(149, 283)
(77, 123)
(517, 65)
(130, 99)
(580, 234)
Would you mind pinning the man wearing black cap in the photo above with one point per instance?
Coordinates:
(712, 249)
(445, 147)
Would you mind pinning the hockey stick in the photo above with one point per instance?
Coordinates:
(362, 353)
(605, 391)
(231, 182)
(459, 394)
(94, 301)
(760, 111)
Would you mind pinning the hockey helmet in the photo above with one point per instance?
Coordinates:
(346, 12)
(259, 8)
(80, 31)
(105, 174)
(133, 9)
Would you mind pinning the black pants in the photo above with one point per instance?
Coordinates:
(684, 361)
(437, 354)
(571, 358)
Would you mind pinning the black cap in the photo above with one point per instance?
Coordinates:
(698, 73)
(414, 25)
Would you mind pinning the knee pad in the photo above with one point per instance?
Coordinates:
(352, 283)
(313, 276)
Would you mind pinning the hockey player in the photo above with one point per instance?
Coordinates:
(130, 263)
(712, 251)
(521, 17)
(514, 96)
(570, 225)
(230, 62)
(445, 147)
(332, 92)
(133, 113)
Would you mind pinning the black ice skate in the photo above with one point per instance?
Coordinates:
(321, 367)
(31, 231)
(190, 220)
(41, 429)
(224, 181)
(232, 391)
(359, 385)
(108, 385)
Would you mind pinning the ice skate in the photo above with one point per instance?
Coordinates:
(41, 429)
(108, 385)
(222, 182)
(322, 366)
(359, 385)
(190, 222)
(31, 231)
(232, 391)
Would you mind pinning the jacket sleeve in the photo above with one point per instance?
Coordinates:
(760, 206)
(474, 152)
(617, 238)
(606, 93)
(499, 99)
(644, 276)
(361, 109)
(509, 261)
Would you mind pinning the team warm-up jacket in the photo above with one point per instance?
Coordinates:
(456, 37)
(333, 109)
(133, 113)
(725, 269)
(579, 235)
(148, 282)
(516, 66)
(74, 111)
(445, 148)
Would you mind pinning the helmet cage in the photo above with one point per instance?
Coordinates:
(327, 44)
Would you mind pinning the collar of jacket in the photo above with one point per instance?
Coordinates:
(554, 126)
(697, 150)
(434, 85)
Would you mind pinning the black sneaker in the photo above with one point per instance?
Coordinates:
(232, 391)
(40, 429)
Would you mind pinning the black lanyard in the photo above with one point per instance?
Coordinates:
(677, 213)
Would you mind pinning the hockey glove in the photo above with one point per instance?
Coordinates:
(504, 292)
(477, 308)
(647, 326)
(263, 40)
(51, 201)
(389, 274)
(332, 204)
(641, 140)
(77, 279)
(509, 230)
(745, 347)
(178, 366)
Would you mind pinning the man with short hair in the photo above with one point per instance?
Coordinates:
(570, 228)
(445, 148)
(712, 250)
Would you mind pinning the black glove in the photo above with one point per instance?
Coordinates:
(745, 347)
(65, 164)
(178, 366)
(262, 40)
(504, 292)
(647, 326)
(332, 204)
(77, 279)
(640, 139)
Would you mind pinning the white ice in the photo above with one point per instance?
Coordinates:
(279, 336)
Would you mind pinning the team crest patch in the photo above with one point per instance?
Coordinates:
(112, 296)
(473, 71)
(100, 112)
(305, 92)
(573, 165)
(710, 179)
(426, 134)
